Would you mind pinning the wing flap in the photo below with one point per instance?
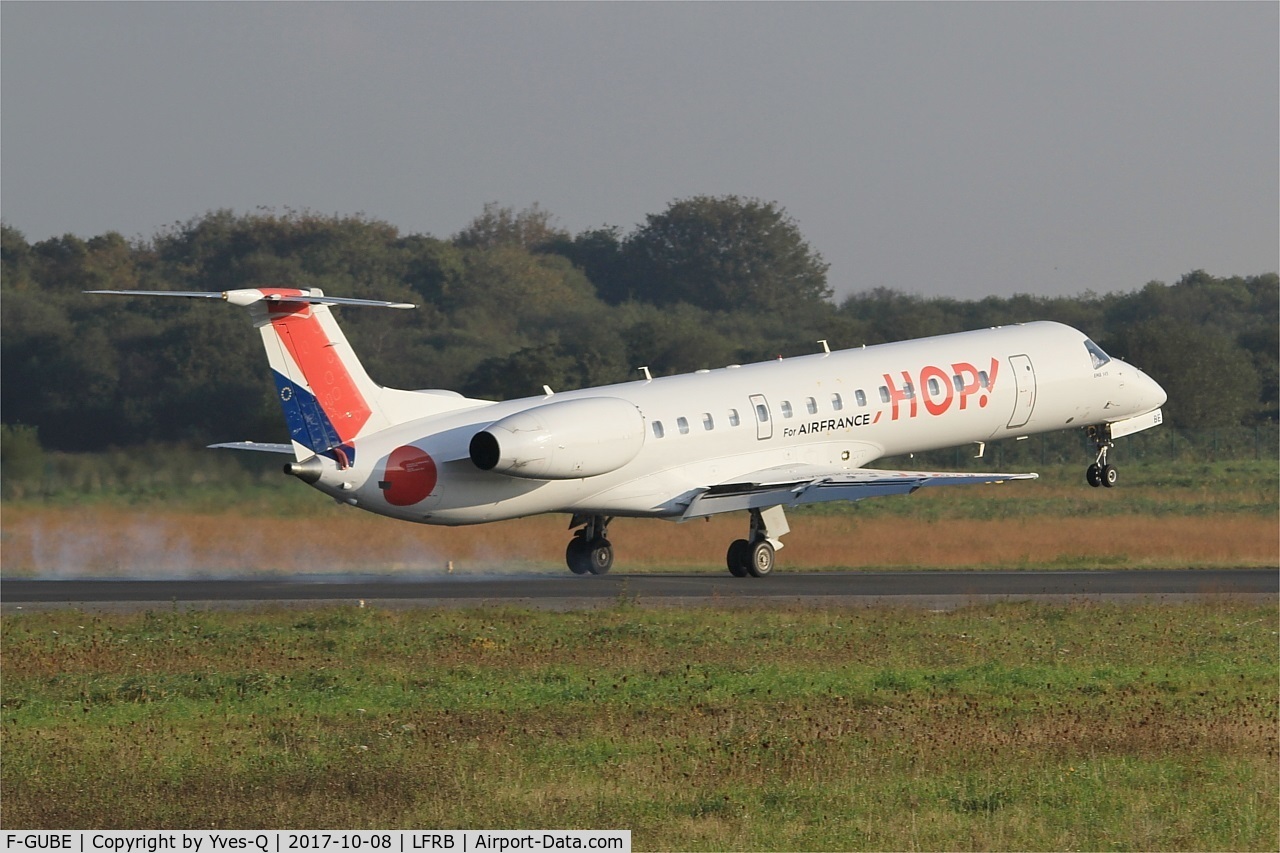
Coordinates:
(845, 486)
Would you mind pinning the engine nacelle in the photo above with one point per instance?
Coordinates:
(562, 441)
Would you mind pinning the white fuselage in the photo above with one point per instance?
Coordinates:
(834, 411)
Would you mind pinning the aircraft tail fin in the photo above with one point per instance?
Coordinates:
(327, 396)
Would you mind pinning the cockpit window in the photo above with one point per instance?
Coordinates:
(1095, 352)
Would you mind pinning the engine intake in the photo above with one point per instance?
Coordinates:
(562, 441)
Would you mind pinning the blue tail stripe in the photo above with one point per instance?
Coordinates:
(308, 424)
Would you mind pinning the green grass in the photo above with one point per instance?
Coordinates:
(1012, 726)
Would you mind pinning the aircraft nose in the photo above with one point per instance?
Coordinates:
(1153, 395)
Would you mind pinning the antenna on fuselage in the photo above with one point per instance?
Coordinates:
(825, 347)
(648, 377)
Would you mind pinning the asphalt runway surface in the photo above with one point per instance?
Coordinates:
(931, 589)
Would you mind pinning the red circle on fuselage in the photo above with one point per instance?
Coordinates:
(410, 476)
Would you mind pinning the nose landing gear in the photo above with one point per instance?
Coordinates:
(1100, 473)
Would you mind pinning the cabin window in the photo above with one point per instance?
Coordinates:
(983, 379)
(861, 397)
(1095, 352)
(682, 424)
(658, 431)
(812, 405)
(786, 408)
(836, 402)
(762, 413)
(708, 422)
(734, 420)
(909, 391)
(935, 387)
(884, 393)
(958, 382)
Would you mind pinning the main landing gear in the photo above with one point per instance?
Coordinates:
(754, 555)
(589, 551)
(1100, 473)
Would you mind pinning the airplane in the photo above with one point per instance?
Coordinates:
(759, 438)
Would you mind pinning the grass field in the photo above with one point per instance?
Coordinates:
(1224, 514)
(1003, 727)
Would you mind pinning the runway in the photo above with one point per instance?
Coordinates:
(931, 589)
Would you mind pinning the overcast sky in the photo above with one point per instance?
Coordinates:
(938, 148)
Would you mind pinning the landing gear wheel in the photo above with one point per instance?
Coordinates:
(761, 559)
(589, 551)
(600, 553)
(739, 557)
(1094, 475)
(578, 556)
(1109, 476)
(589, 557)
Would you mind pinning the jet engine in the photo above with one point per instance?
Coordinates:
(562, 441)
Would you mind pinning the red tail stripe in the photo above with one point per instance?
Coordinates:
(339, 397)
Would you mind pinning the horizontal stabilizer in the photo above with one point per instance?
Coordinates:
(845, 486)
(261, 446)
(248, 297)
(186, 294)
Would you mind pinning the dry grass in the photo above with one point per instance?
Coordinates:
(1226, 539)
(114, 541)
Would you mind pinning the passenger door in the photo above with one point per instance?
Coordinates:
(764, 423)
(1024, 376)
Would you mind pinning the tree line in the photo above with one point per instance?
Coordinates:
(513, 302)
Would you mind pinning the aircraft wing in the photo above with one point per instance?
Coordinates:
(796, 485)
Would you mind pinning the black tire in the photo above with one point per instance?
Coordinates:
(1094, 475)
(600, 556)
(761, 562)
(578, 556)
(738, 557)
(1109, 476)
